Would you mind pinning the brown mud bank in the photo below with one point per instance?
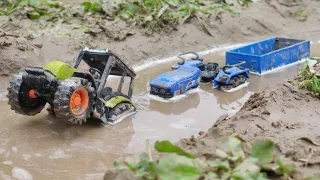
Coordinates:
(27, 42)
(282, 114)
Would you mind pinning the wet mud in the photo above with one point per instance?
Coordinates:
(46, 148)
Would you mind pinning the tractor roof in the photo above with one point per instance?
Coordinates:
(98, 59)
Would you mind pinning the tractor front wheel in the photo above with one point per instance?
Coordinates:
(22, 98)
(73, 100)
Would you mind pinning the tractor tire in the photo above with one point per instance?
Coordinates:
(19, 99)
(74, 100)
(120, 109)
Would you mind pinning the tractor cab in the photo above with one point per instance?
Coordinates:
(103, 63)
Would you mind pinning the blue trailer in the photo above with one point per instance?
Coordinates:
(269, 54)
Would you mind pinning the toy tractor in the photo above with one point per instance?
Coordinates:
(232, 78)
(74, 96)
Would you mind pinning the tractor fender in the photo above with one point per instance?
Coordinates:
(111, 103)
(60, 69)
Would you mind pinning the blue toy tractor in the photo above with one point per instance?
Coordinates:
(176, 82)
(231, 77)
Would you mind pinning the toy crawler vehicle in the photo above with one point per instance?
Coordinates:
(231, 78)
(74, 96)
(194, 62)
(210, 72)
(176, 82)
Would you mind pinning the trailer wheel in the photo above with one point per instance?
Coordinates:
(73, 100)
(22, 99)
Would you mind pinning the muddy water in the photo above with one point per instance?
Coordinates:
(47, 149)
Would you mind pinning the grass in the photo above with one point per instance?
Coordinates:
(232, 163)
(162, 14)
(152, 15)
(310, 80)
(32, 9)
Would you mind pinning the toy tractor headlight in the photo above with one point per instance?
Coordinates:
(223, 78)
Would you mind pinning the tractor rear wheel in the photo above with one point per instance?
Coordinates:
(73, 100)
(22, 99)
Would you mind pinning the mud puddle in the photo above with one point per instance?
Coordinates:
(44, 148)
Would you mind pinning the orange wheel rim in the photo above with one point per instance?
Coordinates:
(79, 101)
(32, 94)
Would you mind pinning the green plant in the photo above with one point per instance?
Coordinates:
(35, 8)
(310, 80)
(300, 15)
(162, 14)
(92, 7)
(231, 164)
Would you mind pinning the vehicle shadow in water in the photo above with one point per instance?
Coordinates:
(224, 98)
(191, 101)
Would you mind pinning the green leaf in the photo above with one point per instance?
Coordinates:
(285, 167)
(270, 167)
(133, 9)
(86, 5)
(116, 164)
(24, 2)
(34, 15)
(218, 164)
(130, 163)
(96, 7)
(247, 170)
(144, 157)
(314, 58)
(52, 4)
(162, 10)
(125, 15)
(300, 15)
(180, 167)
(225, 176)
(263, 150)
(213, 176)
(262, 176)
(235, 147)
(152, 167)
(34, 3)
(167, 146)
(173, 2)
(304, 84)
(221, 154)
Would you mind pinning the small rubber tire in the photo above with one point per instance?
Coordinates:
(119, 109)
(62, 98)
(19, 99)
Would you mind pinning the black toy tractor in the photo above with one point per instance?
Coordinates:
(75, 96)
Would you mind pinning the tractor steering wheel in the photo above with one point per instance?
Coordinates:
(95, 73)
(194, 58)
